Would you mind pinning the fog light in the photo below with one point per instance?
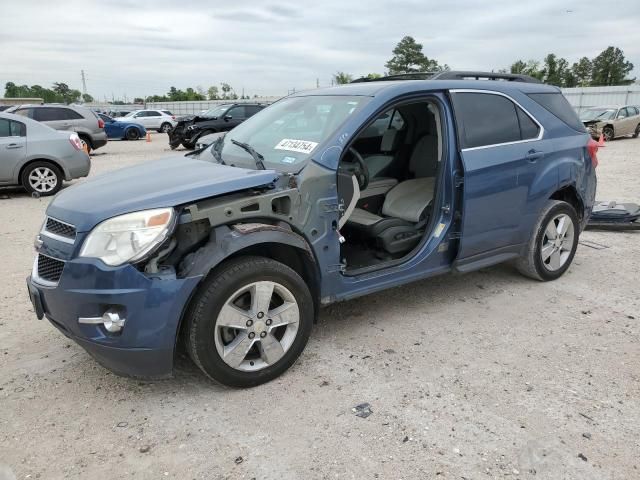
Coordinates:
(110, 319)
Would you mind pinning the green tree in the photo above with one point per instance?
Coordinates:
(226, 88)
(86, 98)
(555, 70)
(582, 71)
(611, 68)
(408, 57)
(213, 93)
(341, 78)
(530, 67)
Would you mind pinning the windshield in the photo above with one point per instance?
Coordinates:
(215, 111)
(597, 114)
(287, 133)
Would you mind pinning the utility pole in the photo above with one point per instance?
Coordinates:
(84, 82)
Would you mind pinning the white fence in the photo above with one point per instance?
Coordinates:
(585, 97)
(579, 98)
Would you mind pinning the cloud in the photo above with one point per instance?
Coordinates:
(144, 47)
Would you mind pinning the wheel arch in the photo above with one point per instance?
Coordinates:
(227, 242)
(570, 194)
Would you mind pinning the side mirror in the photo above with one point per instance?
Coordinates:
(227, 118)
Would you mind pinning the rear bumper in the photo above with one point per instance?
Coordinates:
(152, 308)
(98, 140)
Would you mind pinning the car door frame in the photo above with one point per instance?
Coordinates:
(13, 152)
(485, 193)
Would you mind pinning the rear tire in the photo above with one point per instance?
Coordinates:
(249, 321)
(165, 127)
(41, 178)
(132, 134)
(553, 244)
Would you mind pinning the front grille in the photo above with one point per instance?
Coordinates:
(59, 228)
(49, 269)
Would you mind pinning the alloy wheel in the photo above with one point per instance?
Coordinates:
(257, 326)
(43, 179)
(557, 242)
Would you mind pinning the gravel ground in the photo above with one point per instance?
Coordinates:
(487, 375)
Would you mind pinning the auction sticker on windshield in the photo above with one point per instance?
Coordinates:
(292, 145)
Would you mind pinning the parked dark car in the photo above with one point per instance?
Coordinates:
(324, 196)
(221, 118)
(121, 129)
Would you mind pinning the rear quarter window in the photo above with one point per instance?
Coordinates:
(560, 107)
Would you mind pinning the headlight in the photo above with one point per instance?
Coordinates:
(129, 237)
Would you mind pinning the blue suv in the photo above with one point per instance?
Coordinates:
(323, 196)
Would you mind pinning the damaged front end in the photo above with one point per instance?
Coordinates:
(180, 134)
(594, 127)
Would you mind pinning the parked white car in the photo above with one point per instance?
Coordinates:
(151, 119)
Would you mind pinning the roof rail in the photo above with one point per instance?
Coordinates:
(454, 75)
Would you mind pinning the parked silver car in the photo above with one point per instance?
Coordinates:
(612, 121)
(38, 157)
(151, 119)
(83, 121)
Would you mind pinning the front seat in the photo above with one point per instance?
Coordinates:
(378, 163)
(405, 208)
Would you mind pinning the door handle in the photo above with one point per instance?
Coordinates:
(534, 155)
(13, 146)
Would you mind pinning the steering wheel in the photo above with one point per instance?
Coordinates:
(362, 174)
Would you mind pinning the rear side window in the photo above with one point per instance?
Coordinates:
(47, 114)
(488, 119)
(152, 113)
(560, 107)
(25, 112)
(11, 128)
(252, 110)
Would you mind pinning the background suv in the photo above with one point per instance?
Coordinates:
(150, 119)
(85, 122)
(220, 118)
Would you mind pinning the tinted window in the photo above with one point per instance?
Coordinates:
(252, 110)
(528, 128)
(632, 111)
(485, 119)
(152, 113)
(558, 105)
(237, 112)
(25, 112)
(71, 114)
(11, 128)
(47, 114)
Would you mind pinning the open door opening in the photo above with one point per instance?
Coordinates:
(387, 183)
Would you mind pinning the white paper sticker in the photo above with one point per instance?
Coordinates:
(438, 230)
(292, 145)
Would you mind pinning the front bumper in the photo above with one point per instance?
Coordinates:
(153, 308)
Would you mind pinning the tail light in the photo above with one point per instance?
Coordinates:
(173, 117)
(75, 141)
(100, 123)
(592, 148)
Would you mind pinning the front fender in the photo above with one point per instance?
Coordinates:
(225, 240)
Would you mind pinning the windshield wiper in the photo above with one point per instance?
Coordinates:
(259, 159)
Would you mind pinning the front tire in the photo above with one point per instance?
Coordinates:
(249, 321)
(553, 243)
(608, 134)
(132, 134)
(637, 131)
(41, 178)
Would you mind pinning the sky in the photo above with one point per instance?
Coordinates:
(139, 48)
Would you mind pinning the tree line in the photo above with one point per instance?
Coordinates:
(610, 67)
(58, 93)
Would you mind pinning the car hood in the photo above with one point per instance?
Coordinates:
(168, 182)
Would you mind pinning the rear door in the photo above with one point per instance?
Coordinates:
(153, 119)
(499, 143)
(625, 122)
(54, 117)
(13, 147)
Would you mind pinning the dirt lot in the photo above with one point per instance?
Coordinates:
(487, 375)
